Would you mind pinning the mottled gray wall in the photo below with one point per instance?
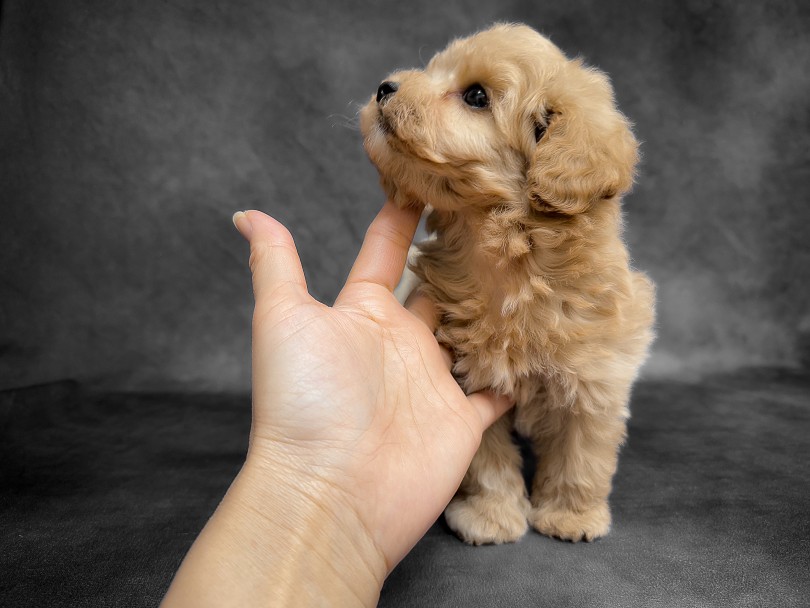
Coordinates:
(131, 131)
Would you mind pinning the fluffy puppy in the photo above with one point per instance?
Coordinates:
(523, 157)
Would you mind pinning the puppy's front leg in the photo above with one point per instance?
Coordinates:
(491, 505)
(577, 448)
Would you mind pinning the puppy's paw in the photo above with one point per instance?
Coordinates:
(571, 525)
(489, 519)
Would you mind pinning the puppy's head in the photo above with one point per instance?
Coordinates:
(500, 117)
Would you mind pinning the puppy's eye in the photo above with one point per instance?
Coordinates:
(539, 131)
(541, 125)
(475, 96)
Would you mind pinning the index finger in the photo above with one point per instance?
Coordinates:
(384, 251)
(423, 308)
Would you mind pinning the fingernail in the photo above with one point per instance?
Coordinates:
(242, 223)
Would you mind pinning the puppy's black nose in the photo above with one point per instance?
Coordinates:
(387, 88)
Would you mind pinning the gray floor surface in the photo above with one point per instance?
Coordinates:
(103, 494)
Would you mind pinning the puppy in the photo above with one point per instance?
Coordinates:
(522, 157)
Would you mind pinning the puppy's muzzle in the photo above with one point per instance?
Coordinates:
(386, 89)
(384, 92)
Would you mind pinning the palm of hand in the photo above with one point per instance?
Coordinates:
(364, 387)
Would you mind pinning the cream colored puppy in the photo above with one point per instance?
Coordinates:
(523, 158)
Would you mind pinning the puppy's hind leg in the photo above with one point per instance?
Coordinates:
(491, 505)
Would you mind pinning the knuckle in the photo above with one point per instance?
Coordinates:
(389, 233)
(263, 252)
(258, 253)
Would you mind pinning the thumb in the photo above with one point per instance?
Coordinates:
(274, 261)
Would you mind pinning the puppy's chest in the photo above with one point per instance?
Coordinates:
(496, 325)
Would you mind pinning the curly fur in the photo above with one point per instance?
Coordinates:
(527, 269)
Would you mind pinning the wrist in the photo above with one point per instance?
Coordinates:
(307, 534)
(280, 538)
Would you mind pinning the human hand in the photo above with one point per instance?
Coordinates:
(360, 433)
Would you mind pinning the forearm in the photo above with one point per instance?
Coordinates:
(276, 540)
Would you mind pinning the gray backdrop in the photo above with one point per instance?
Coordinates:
(131, 131)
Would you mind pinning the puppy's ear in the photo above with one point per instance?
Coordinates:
(585, 151)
